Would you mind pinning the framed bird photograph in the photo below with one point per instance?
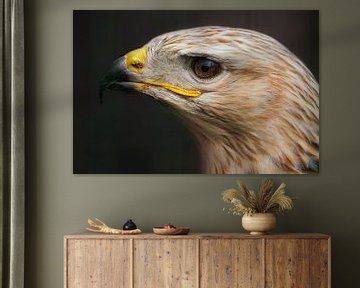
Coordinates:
(196, 92)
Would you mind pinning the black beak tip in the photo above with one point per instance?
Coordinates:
(116, 73)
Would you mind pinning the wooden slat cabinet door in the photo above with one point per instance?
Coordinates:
(297, 263)
(287, 263)
(98, 263)
(165, 263)
(320, 263)
(231, 263)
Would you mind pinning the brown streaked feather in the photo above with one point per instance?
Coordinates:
(262, 116)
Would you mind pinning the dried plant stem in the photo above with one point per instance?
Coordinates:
(101, 227)
(245, 201)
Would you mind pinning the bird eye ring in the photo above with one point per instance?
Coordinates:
(205, 68)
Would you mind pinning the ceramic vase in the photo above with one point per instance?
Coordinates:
(259, 223)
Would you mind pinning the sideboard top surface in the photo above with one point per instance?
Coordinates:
(86, 235)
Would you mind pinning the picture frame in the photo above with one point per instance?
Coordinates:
(128, 132)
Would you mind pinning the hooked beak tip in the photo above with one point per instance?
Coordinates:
(116, 73)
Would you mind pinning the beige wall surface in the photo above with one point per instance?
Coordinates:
(59, 202)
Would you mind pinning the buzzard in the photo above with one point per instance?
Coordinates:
(251, 104)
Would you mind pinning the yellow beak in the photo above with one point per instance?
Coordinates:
(136, 62)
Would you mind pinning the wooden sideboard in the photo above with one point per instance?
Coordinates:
(197, 260)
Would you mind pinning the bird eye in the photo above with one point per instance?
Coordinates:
(205, 68)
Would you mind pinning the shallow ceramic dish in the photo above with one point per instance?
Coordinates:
(171, 231)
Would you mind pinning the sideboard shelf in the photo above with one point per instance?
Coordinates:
(201, 260)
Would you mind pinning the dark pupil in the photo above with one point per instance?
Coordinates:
(205, 68)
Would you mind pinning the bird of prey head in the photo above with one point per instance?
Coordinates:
(252, 105)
